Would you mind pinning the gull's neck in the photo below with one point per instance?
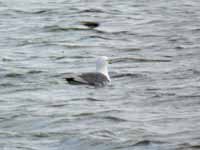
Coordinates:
(104, 70)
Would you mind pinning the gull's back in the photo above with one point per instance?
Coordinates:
(96, 79)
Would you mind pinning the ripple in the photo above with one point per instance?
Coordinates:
(14, 75)
(94, 99)
(56, 28)
(6, 85)
(92, 11)
(128, 49)
(197, 30)
(188, 96)
(97, 37)
(52, 135)
(114, 119)
(126, 75)
(35, 72)
(57, 57)
(103, 134)
(135, 59)
(22, 75)
(84, 114)
(179, 47)
(7, 59)
(58, 105)
(44, 11)
(187, 146)
(10, 134)
(142, 143)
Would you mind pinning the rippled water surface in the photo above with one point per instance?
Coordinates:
(153, 102)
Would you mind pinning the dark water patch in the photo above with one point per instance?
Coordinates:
(15, 75)
(56, 28)
(90, 24)
(179, 47)
(195, 146)
(7, 59)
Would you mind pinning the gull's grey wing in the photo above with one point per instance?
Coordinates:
(96, 79)
(75, 79)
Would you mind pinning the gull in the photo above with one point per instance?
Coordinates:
(98, 78)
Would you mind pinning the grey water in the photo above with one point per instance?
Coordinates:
(153, 101)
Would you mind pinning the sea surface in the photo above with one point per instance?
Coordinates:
(153, 101)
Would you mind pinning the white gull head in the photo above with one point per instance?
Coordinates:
(102, 66)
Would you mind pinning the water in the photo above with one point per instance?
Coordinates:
(153, 101)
